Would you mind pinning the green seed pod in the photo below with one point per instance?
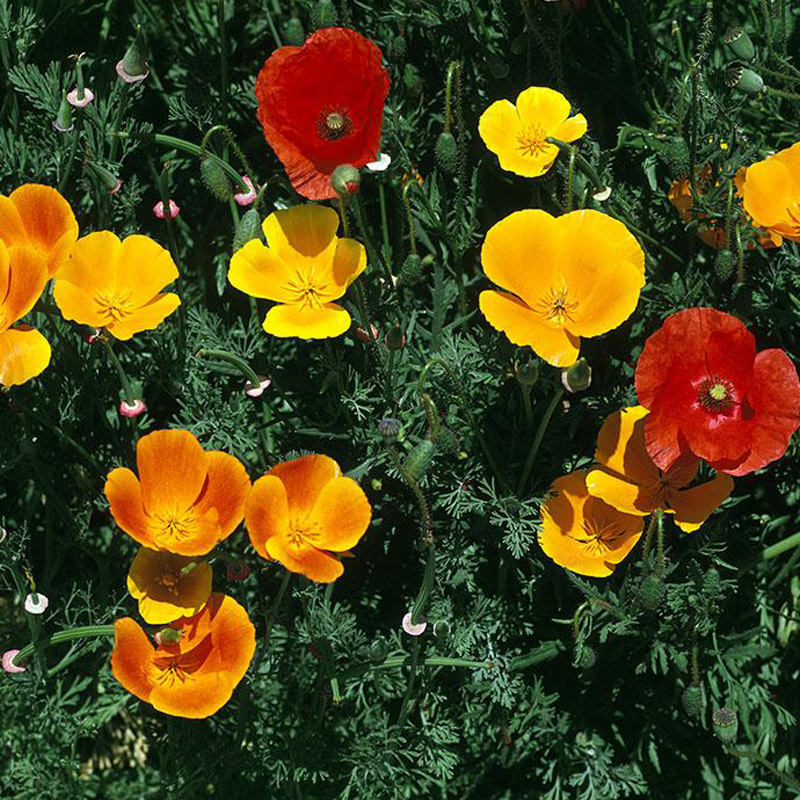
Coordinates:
(390, 429)
(215, 179)
(740, 44)
(324, 14)
(378, 650)
(651, 593)
(447, 152)
(419, 459)
(293, 32)
(675, 155)
(249, 227)
(447, 442)
(133, 66)
(411, 271)
(578, 377)
(724, 265)
(712, 584)
(744, 79)
(693, 700)
(726, 724)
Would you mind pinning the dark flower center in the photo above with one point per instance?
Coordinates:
(334, 123)
(715, 394)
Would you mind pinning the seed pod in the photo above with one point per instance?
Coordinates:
(215, 179)
(324, 14)
(744, 79)
(419, 459)
(724, 265)
(693, 700)
(249, 227)
(447, 152)
(293, 32)
(675, 155)
(740, 44)
(651, 593)
(390, 429)
(63, 121)
(726, 724)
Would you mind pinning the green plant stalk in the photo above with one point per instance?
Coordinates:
(427, 585)
(437, 322)
(583, 165)
(229, 140)
(269, 617)
(537, 440)
(231, 358)
(62, 636)
(223, 60)
(570, 178)
(63, 180)
(783, 94)
(754, 755)
(405, 709)
(272, 29)
(121, 109)
(776, 549)
(740, 271)
(412, 236)
(387, 246)
(373, 253)
(778, 75)
(648, 540)
(127, 391)
(765, 10)
(659, 517)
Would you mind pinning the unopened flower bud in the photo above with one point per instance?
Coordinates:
(63, 121)
(111, 183)
(215, 179)
(724, 264)
(675, 155)
(395, 339)
(586, 658)
(324, 14)
(159, 211)
(293, 32)
(414, 628)
(249, 197)
(740, 44)
(363, 336)
(390, 428)
(412, 80)
(398, 48)
(693, 700)
(447, 442)
(411, 271)
(132, 408)
(726, 724)
(168, 636)
(378, 650)
(527, 371)
(345, 180)
(577, 377)
(447, 152)
(133, 68)
(8, 662)
(249, 228)
(419, 459)
(441, 630)
(80, 99)
(651, 593)
(257, 389)
(744, 79)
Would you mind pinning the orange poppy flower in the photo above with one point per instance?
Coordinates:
(38, 216)
(517, 134)
(168, 586)
(581, 532)
(185, 499)
(575, 275)
(195, 676)
(116, 285)
(303, 268)
(24, 352)
(627, 478)
(771, 193)
(302, 510)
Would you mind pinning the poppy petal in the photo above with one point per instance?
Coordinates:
(267, 512)
(132, 658)
(308, 231)
(145, 318)
(306, 322)
(571, 129)
(622, 494)
(226, 491)
(523, 326)
(26, 277)
(304, 479)
(315, 564)
(621, 447)
(101, 248)
(541, 106)
(343, 513)
(694, 506)
(76, 304)
(198, 697)
(260, 272)
(501, 128)
(24, 354)
(349, 261)
(766, 185)
(124, 494)
(148, 263)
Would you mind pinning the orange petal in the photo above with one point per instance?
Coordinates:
(143, 268)
(132, 658)
(76, 304)
(306, 322)
(620, 493)
(226, 491)
(523, 326)
(146, 318)
(124, 494)
(621, 447)
(93, 266)
(172, 469)
(304, 479)
(343, 513)
(261, 272)
(233, 635)
(26, 276)
(24, 354)
(694, 506)
(266, 512)
(197, 697)
(768, 189)
(198, 536)
(315, 564)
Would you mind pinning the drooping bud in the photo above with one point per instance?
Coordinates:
(526, 371)
(419, 459)
(724, 265)
(726, 724)
(740, 44)
(345, 180)
(249, 228)
(411, 271)
(395, 339)
(651, 593)
(675, 155)
(447, 152)
(390, 429)
(132, 408)
(378, 650)
(170, 213)
(293, 32)
(693, 700)
(324, 14)
(577, 377)
(447, 442)
(133, 68)
(63, 122)
(249, 197)
(215, 179)
(111, 183)
(8, 662)
(744, 79)
(168, 636)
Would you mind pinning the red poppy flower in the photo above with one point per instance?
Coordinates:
(321, 105)
(711, 395)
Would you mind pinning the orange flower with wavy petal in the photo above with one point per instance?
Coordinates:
(627, 478)
(771, 193)
(566, 277)
(38, 216)
(195, 676)
(117, 285)
(168, 586)
(301, 511)
(583, 533)
(303, 268)
(517, 134)
(185, 499)
(24, 352)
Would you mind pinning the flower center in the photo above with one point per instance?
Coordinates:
(303, 533)
(114, 307)
(172, 671)
(599, 536)
(715, 394)
(556, 306)
(309, 293)
(334, 123)
(533, 140)
(174, 526)
(170, 579)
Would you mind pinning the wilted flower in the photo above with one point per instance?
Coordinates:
(414, 628)
(132, 408)
(8, 662)
(249, 197)
(174, 210)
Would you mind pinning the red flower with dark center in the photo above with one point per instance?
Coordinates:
(321, 105)
(712, 396)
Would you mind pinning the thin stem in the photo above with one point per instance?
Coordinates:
(570, 178)
(648, 540)
(659, 516)
(127, 391)
(412, 236)
(269, 619)
(63, 636)
(387, 246)
(583, 165)
(782, 93)
(781, 547)
(223, 60)
(537, 440)
(754, 755)
(412, 680)
(231, 358)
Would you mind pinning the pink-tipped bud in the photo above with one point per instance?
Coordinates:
(93, 336)
(395, 339)
(257, 389)
(237, 571)
(80, 102)
(414, 628)
(362, 336)
(8, 662)
(246, 198)
(174, 210)
(134, 408)
(36, 603)
(130, 78)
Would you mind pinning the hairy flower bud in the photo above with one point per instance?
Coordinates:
(390, 429)
(324, 14)
(724, 265)
(693, 700)
(398, 48)
(249, 228)
(411, 271)
(447, 152)
(651, 593)
(215, 179)
(293, 32)
(675, 155)
(447, 442)
(419, 459)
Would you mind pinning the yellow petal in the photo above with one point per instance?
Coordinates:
(24, 354)
(306, 322)
(260, 272)
(621, 446)
(694, 506)
(143, 268)
(349, 261)
(146, 318)
(76, 304)
(622, 494)
(300, 233)
(93, 266)
(571, 129)
(768, 190)
(544, 107)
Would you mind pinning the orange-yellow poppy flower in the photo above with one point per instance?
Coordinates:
(627, 478)
(303, 268)
(581, 532)
(185, 499)
(194, 676)
(566, 277)
(168, 586)
(517, 134)
(771, 193)
(303, 510)
(38, 216)
(24, 352)
(117, 285)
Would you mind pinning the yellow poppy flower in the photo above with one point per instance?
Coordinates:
(517, 134)
(575, 275)
(303, 268)
(24, 352)
(168, 586)
(38, 216)
(771, 193)
(627, 478)
(117, 285)
(581, 532)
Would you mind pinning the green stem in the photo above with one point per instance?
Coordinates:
(269, 619)
(789, 780)
(648, 540)
(659, 516)
(163, 187)
(121, 109)
(765, 10)
(223, 60)
(231, 358)
(537, 440)
(272, 29)
(583, 165)
(781, 547)
(781, 93)
(779, 75)
(387, 246)
(63, 636)
(412, 680)
(570, 178)
(127, 391)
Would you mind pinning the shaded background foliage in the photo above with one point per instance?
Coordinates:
(581, 686)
